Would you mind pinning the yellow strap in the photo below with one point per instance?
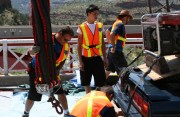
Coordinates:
(100, 39)
(99, 46)
(86, 38)
(121, 38)
(85, 47)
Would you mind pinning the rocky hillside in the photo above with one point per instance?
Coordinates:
(72, 12)
(13, 17)
(10, 16)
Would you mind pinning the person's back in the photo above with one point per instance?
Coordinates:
(91, 104)
(94, 104)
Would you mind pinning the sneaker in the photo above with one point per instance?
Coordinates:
(67, 115)
(25, 115)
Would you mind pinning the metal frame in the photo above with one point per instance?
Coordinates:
(69, 65)
(156, 17)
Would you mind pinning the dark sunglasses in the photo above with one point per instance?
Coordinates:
(66, 40)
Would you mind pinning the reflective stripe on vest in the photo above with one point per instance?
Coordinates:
(118, 37)
(63, 55)
(100, 38)
(89, 47)
(90, 103)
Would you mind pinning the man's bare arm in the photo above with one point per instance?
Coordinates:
(104, 49)
(108, 36)
(112, 38)
(79, 47)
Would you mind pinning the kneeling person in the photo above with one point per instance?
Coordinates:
(96, 104)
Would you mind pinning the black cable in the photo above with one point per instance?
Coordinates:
(141, 79)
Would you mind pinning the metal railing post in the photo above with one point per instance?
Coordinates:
(5, 56)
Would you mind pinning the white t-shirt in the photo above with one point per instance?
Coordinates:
(91, 27)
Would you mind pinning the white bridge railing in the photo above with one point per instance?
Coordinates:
(18, 48)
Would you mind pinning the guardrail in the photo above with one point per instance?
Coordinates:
(14, 57)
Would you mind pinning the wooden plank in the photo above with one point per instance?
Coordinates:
(173, 64)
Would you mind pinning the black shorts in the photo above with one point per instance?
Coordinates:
(116, 61)
(93, 66)
(33, 95)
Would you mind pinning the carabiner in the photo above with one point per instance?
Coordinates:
(55, 103)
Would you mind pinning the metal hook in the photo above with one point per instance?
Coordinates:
(55, 103)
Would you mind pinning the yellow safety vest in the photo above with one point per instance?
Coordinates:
(91, 105)
(118, 37)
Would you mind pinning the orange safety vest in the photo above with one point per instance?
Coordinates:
(91, 105)
(92, 44)
(118, 37)
(64, 52)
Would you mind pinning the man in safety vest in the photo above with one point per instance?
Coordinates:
(91, 47)
(61, 49)
(96, 104)
(117, 40)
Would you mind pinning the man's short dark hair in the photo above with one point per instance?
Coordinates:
(67, 30)
(91, 8)
(108, 90)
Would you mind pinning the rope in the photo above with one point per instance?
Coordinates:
(45, 60)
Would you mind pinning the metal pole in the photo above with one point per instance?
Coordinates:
(5, 56)
(149, 5)
(167, 6)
